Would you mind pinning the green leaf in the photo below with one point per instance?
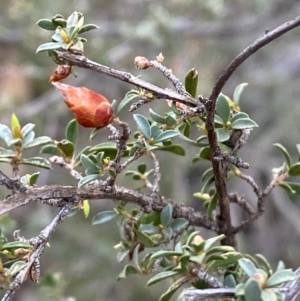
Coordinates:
(295, 169)
(166, 135)
(58, 20)
(218, 120)
(265, 264)
(27, 128)
(247, 266)
(155, 131)
(187, 129)
(179, 224)
(288, 187)
(229, 281)
(167, 232)
(166, 215)
(281, 277)
(89, 165)
(5, 133)
(161, 276)
(165, 253)
(208, 173)
(243, 123)
(129, 269)
(223, 107)
(50, 149)
(33, 178)
(126, 100)
(16, 268)
(28, 138)
(268, 295)
(46, 24)
(285, 153)
(103, 217)
(198, 259)
(211, 241)
(37, 142)
(36, 161)
(66, 148)
(191, 82)
(16, 245)
(72, 131)
(87, 179)
(294, 186)
(174, 287)
(104, 147)
(142, 168)
(170, 121)
(252, 291)
(5, 160)
(223, 134)
(280, 266)
(88, 27)
(149, 229)
(238, 92)
(175, 149)
(205, 153)
(94, 132)
(49, 46)
(6, 153)
(145, 239)
(239, 115)
(156, 117)
(14, 142)
(73, 19)
(143, 125)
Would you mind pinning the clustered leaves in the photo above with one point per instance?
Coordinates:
(13, 258)
(20, 139)
(66, 34)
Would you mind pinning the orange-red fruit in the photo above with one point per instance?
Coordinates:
(90, 108)
(61, 72)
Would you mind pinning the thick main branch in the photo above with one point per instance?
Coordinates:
(66, 193)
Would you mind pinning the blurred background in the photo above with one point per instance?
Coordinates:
(206, 35)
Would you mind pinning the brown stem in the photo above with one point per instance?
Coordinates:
(224, 218)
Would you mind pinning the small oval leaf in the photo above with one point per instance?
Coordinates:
(243, 123)
(166, 135)
(143, 125)
(223, 107)
(166, 215)
(87, 179)
(161, 276)
(191, 82)
(72, 131)
(88, 27)
(247, 266)
(36, 161)
(46, 24)
(103, 217)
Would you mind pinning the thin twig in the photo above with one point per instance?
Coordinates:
(81, 61)
(39, 244)
(265, 39)
(179, 87)
(13, 184)
(157, 174)
(240, 200)
(121, 139)
(61, 162)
